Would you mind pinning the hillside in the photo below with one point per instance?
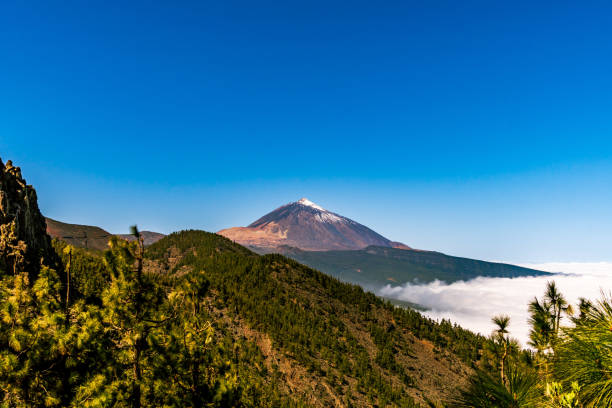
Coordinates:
(82, 236)
(331, 343)
(91, 237)
(374, 267)
(149, 237)
(306, 225)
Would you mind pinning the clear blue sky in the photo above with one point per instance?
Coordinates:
(481, 129)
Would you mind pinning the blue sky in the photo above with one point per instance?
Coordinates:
(480, 129)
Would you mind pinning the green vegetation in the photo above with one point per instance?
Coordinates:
(279, 297)
(89, 274)
(116, 335)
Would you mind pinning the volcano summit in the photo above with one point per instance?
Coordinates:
(308, 226)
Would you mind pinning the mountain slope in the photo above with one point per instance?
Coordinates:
(149, 237)
(329, 343)
(374, 267)
(82, 236)
(305, 225)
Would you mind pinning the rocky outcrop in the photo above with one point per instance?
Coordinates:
(24, 243)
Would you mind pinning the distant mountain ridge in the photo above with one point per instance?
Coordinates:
(306, 225)
(148, 237)
(82, 236)
(374, 267)
(91, 237)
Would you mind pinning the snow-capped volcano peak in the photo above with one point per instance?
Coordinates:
(306, 225)
(308, 203)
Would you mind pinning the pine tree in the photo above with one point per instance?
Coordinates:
(32, 318)
(132, 315)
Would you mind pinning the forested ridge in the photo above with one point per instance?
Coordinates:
(359, 344)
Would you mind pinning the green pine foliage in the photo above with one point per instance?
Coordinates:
(88, 273)
(132, 314)
(32, 326)
(584, 356)
(111, 334)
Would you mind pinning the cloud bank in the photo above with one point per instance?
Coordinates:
(471, 304)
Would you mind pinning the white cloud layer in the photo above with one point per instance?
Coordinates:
(472, 303)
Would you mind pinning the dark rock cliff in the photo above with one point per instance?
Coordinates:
(24, 243)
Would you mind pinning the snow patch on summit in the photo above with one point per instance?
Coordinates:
(308, 203)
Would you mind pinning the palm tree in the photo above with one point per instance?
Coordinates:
(502, 322)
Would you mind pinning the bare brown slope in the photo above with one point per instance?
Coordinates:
(91, 237)
(305, 225)
(149, 237)
(82, 236)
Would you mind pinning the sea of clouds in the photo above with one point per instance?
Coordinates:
(471, 304)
